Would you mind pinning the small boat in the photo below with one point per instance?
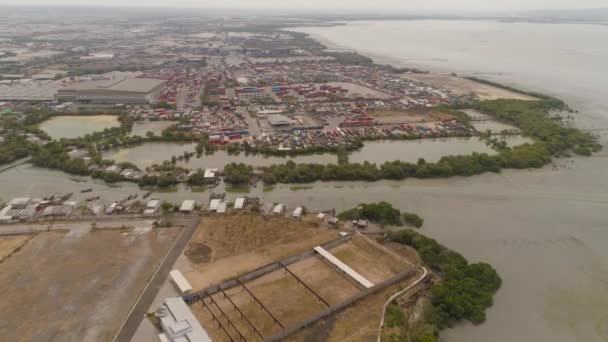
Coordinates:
(85, 191)
(91, 199)
(147, 195)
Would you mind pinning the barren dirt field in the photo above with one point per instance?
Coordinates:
(280, 293)
(358, 322)
(402, 116)
(287, 300)
(229, 245)
(61, 287)
(369, 260)
(10, 244)
(461, 86)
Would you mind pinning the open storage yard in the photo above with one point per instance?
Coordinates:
(463, 86)
(257, 278)
(66, 286)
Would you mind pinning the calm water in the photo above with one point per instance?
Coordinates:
(546, 232)
(155, 153)
(77, 126)
(430, 149)
(375, 152)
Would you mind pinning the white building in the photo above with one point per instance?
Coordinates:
(187, 206)
(239, 203)
(211, 173)
(279, 209)
(152, 207)
(178, 323)
(298, 212)
(113, 91)
(214, 204)
(20, 203)
(183, 286)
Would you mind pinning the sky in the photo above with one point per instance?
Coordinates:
(337, 5)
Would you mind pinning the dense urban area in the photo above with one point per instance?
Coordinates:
(217, 107)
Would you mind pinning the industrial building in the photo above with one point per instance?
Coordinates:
(279, 120)
(187, 206)
(178, 323)
(115, 91)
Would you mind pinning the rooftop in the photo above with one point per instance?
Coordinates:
(178, 322)
(136, 85)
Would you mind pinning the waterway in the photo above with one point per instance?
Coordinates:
(544, 231)
(77, 126)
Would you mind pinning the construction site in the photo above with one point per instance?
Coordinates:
(268, 279)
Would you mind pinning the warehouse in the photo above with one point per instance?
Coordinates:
(121, 91)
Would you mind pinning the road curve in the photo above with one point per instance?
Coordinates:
(422, 277)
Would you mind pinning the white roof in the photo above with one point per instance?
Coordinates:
(153, 204)
(179, 324)
(214, 204)
(298, 212)
(239, 203)
(344, 268)
(278, 208)
(210, 173)
(222, 207)
(187, 205)
(180, 281)
(19, 201)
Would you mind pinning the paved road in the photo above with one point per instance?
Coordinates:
(130, 325)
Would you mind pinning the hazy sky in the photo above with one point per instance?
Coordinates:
(345, 5)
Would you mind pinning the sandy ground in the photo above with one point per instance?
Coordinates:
(358, 322)
(229, 245)
(287, 300)
(402, 116)
(76, 287)
(368, 260)
(461, 86)
(11, 244)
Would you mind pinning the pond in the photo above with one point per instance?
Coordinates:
(155, 153)
(77, 126)
(430, 149)
(376, 152)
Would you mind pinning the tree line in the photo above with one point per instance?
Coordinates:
(464, 292)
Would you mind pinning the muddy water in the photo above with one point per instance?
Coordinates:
(155, 153)
(376, 152)
(545, 232)
(430, 149)
(77, 126)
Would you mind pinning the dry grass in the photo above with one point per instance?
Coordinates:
(11, 244)
(369, 260)
(242, 242)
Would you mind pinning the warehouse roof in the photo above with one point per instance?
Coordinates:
(279, 120)
(136, 85)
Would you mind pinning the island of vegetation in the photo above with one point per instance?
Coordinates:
(463, 293)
